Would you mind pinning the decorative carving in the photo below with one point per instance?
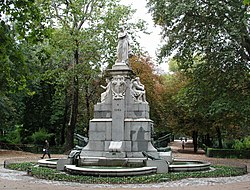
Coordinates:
(118, 87)
(137, 90)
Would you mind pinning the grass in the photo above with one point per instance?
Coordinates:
(52, 174)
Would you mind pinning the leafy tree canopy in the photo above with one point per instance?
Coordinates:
(211, 28)
(246, 2)
(212, 44)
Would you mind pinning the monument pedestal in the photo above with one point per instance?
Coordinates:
(115, 155)
(120, 117)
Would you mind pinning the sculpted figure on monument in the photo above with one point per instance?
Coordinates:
(104, 95)
(137, 90)
(123, 47)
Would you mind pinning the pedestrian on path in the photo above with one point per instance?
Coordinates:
(46, 149)
(183, 144)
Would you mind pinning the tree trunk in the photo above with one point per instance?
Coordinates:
(70, 130)
(195, 140)
(65, 118)
(219, 137)
(73, 118)
(207, 140)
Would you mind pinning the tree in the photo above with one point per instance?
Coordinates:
(55, 50)
(21, 22)
(13, 75)
(217, 33)
(84, 38)
(154, 85)
(222, 26)
(25, 18)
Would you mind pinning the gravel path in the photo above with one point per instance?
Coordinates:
(10, 179)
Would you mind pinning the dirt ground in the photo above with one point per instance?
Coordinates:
(11, 180)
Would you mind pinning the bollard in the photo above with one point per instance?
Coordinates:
(29, 171)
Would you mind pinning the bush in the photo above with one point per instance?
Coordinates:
(242, 145)
(12, 136)
(40, 136)
(227, 153)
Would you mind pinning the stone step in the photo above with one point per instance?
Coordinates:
(90, 160)
(105, 171)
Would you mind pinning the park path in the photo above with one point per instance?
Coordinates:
(188, 153)
(11, 180)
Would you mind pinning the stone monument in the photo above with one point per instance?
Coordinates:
(120, 132)
(121, 127)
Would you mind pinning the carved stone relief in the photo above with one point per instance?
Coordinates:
(118, 87)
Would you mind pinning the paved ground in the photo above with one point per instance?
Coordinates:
(188, 153)
(10, 180)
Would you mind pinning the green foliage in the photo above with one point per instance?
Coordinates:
(83, 39)
(173, 65)
(173, 85)
(212, 48)
(246, 2)
(50, 174)
(195, 27)
(14, 136)
(242, 144)
(26, 17)
(228, 153)
(51, 54)
(238, 145)
(21, 166)
(40, 136)
(17, 24)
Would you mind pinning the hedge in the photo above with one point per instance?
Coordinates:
(228, 153)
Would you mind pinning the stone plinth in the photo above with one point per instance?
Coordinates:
(161, 165)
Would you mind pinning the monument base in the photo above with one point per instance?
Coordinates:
(115, 155)
(161, 165)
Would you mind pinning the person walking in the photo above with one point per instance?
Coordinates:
(183, 144)
(46, 149)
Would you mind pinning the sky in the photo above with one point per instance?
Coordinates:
(152, 41)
